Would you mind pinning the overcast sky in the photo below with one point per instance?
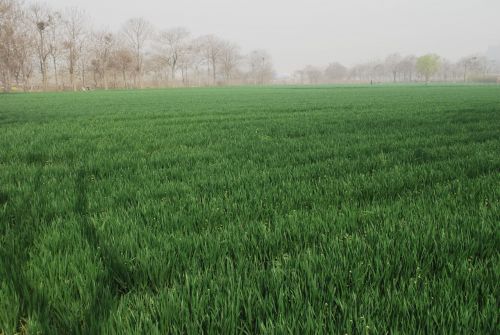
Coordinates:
(302, 32)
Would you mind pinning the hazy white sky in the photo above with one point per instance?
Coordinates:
(301, 32)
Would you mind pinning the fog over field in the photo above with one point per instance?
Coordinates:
(77, 45)
(301, 32)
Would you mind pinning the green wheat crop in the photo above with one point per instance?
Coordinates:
(329, 210)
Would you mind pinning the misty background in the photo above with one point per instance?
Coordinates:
(85, 45)
(301, 32)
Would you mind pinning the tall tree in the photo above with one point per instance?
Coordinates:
(54, 42)
(313, 74)
(211, 48)
(407, 66)
(230, 58)
(102, 44)
(23, 51)
(137, 33)
(188, 60)
(445, 70)
(40, 17)
(467, 63)
(122, 61)
(261, 67)
(75, 29)
(392, 63)
(15, 45)
(335, 72)
(173, 43)
(428, 65)
(196, 59)
(84, 53)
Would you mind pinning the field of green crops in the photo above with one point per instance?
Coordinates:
(334, 210)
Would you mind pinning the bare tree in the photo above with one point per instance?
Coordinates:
(392, 63)
(103, 44)
(211, 47)
(40, 17)
(84, 55)
(446, 70)
(137, 32)
(157, 66)
(159, 62)
(483, 66)
(298, 76)
(467, 64)
(173, 43)
(198, 61)
(54, 41)
(407, 66)
(15, 45)
(189, 59)
(377, 71)
(75, 30)
(261, 67)
(9, 13)
(230, 58)
(24, 65)
(358, 72)
(313, 74)
(122, 61)
(335, 72)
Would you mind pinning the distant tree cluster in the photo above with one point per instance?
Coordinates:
(396, 68)
(46, 49)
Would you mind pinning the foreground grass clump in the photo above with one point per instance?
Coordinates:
(274, 210)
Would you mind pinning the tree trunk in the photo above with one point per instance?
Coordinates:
(214, 72)
(208, 72)
(83, 74)
(73, 82)
(172, 69)
(44, 76)
(6, 82)
(43, 60)
(72, 78)
(139, 68)
(54, 62)
(124, 78)
(105, 79)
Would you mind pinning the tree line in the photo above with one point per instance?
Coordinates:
(42, 48)
(397, 68)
